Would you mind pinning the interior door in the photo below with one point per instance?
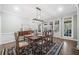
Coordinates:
(68, 27)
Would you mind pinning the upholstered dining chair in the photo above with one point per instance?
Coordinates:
(20, 40)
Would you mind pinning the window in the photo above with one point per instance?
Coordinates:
(57, 26)
(68, 27)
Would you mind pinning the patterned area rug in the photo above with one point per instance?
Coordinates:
(36, 49)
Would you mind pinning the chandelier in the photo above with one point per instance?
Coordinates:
(38, 15)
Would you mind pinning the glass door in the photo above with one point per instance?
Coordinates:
(68, 27)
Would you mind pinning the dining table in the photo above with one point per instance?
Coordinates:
(33, 37)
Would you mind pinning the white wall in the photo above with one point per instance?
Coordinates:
(57, 34)
(0, 23)
(0, 28)
(11, 23)
(75, 26)
(0, 16)
(78, 26)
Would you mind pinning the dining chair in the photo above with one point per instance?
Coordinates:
(21, 41)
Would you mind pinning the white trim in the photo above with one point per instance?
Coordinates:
(72, 27)
(0, 23)
(6, 38)
(67, 38)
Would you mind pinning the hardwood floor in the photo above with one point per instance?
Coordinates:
(69, 46)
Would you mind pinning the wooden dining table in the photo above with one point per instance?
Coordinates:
(33, 37)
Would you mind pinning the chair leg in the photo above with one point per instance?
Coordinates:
(17, 51)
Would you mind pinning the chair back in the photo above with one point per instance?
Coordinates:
(17, 35)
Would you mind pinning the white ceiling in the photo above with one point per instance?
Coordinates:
(48, 10)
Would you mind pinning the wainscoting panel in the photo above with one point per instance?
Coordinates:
(6, 38)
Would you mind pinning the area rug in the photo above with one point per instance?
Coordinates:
(36, 49)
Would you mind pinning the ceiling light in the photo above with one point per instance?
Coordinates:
(16, 8)
(60, 9)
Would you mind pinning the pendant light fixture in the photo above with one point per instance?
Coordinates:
(38, 15)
